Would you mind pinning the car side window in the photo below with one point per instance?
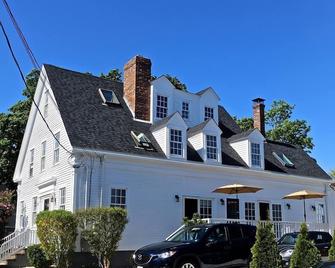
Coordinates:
(319, 238)
(217, 234)
(248, 232)
(235, 232)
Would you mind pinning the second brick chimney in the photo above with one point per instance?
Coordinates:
(258, 111)
(136, 86)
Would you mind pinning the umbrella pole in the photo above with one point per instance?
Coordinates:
(305, 209)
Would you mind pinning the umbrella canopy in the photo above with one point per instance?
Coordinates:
(237, 189)
(303, 195)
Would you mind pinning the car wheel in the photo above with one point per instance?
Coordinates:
(188, 264)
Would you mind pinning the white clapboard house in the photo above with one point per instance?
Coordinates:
(159, 152)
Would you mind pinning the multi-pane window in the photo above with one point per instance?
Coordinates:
(176, 142)
(162, 106)
(118, 198)
(233, 208)
(43, 152)
(46, 104)
(320, 213)
(255, 154)
(205, 208)
(185, 113)
(211, 147)
(62, 198)
(276, 212)
(250, 213)
(22, 215)
(56, 147)
(31, 163)
(34, 210)
(209, 113)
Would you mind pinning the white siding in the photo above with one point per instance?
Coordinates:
(161, 138)
(242, 148)
(197, 142)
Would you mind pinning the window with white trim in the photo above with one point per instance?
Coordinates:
(176, 142)
(161, 106)
(22, 215)
(118, 198)
(205, 208)
(62, 198)
(56, 147)
(31, 163)
(255, 154)
(211, 145)
(185, 112)
(276, 212)
(34, 210)
(249, 211)
(46, 104)
(209, 113)
(43, 152)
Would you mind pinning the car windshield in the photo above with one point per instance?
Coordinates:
(188, 234)
(288, 239)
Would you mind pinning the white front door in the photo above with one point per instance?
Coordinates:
(46, 203)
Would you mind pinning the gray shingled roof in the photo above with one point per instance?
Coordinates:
(90, 124)
(194, 130)
(240, 136)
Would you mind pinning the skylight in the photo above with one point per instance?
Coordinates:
(142, 141)
(283, 159)
(108, 96)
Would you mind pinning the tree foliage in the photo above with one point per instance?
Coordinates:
(113, 75)
(332, 173)
(331, 252)
(102, 228)
(57, 231)
(12, 126)
(36, 257)
(265, 253)
(305, 253)
(176, 82)
(6, 209)
(196, 220)
(281, 126)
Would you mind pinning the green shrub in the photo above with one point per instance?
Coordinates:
(196, 220)
(36, 257)
(305, 253)
(102, 228)
(57, 233)
(331, 252)
(265, 253)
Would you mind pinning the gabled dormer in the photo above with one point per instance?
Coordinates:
(170, 133)
(206, 140)
(250, 147)
(208, 104)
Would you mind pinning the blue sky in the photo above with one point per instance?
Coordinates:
(243, 49)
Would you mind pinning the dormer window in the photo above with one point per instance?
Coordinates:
(211, 144)
(185, 113)
(162, 106)
(108, 96)
(255, 155)
(209, 113)
(176, 142)
(283, 159)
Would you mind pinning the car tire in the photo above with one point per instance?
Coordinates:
(188, 263)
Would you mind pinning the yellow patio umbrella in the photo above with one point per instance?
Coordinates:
(303, 195)
(237, 189)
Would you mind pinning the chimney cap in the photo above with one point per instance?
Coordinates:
(258, 100)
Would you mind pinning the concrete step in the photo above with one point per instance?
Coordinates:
(3, 263)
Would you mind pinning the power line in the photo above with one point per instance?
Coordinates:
(24, 81)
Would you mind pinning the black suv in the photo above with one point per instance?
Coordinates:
(286, 244)
(219, 245)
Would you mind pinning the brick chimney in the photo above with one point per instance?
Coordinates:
(136, 86)
(258, 111)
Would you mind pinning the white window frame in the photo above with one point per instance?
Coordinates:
(277, 214)
(34, 209)
(208, 112)
(176, 144)
(185, 110)
(43, 154)
(207, 208)
(62, 198)
(46, 104)
(250, 211)
(120, 197)
(56, 148)
(210, 149)
(256, 156)
(161, 110)
(31, 163)
(22, 215)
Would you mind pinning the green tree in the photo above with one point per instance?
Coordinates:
(36, 257)
(281, 126)
(174, 81)
(12, 126)
(114, 75)
(332, 173)
(331, 252)
(265, 253)
(6, 209)
(102, 228)
(305, 253)
(196, 219)
(57, 231)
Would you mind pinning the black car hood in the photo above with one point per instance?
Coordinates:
(161, 247)
(284, 247)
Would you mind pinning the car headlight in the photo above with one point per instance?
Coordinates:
(165, 255)
(134, 256)
(286, 253)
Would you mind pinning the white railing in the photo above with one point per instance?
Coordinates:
(17, 241)
(280, 227)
